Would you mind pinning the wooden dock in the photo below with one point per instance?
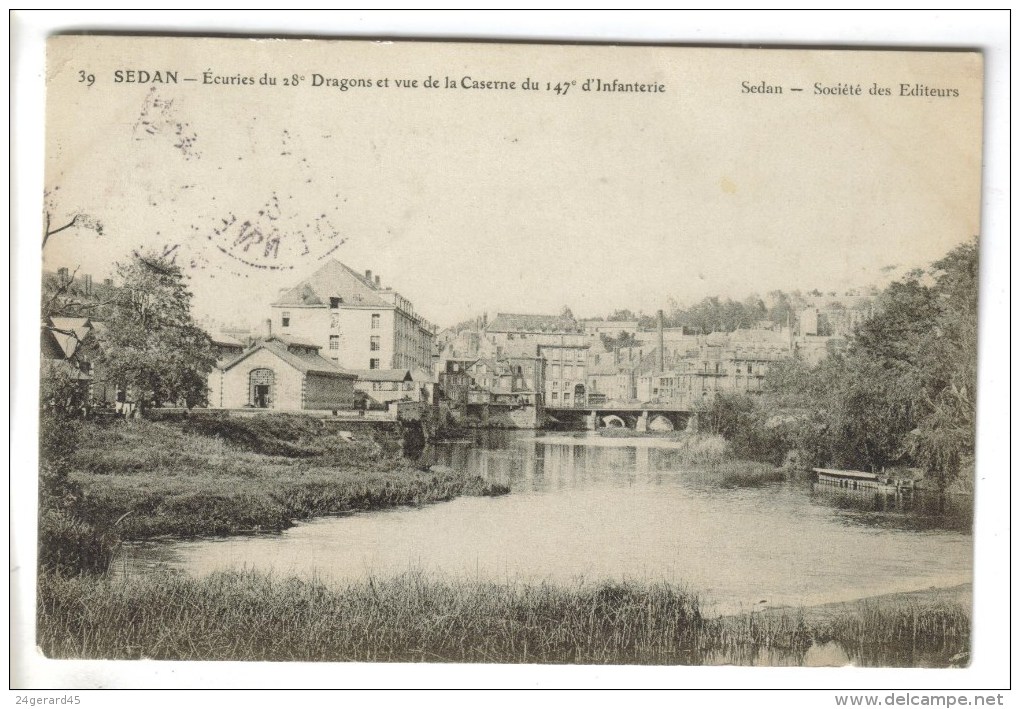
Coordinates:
(859, 480)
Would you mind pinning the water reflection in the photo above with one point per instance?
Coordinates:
(531, 463)
(594, 508)
(911, 509)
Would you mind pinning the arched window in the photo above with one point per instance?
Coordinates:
(260, 388)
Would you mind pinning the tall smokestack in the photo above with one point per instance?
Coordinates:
(267, 328)
(662, 349)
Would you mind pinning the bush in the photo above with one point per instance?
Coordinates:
(58, 437)
(744, 423)
(69, 546)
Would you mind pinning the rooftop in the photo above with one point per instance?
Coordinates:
(303, 357)
(522, 322)
(383, 375)
(334, 280)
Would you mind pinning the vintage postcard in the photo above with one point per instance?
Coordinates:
(451, 352)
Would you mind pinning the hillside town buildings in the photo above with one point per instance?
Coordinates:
(581, 366)
(340, 339)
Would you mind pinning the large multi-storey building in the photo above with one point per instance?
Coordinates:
(699, 379)
(514, 333)
(566, 372)
(357, 323)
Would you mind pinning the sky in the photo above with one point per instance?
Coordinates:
(469, 201)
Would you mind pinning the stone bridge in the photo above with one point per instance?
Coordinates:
(637, 417)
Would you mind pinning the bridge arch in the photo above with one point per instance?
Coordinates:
(613, 421)
(660, 423)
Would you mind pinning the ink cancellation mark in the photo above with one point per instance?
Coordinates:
(277, 237)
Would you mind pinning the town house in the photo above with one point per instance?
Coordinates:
(355, 321)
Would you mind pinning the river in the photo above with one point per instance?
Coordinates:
(584, 508)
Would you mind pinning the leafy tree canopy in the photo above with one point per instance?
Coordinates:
(903, 391)
(150, 344)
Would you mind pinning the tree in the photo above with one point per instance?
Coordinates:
(77, 219)
(900, 392)
(62, 393)
(150, 345)
(624, 339)
(903, 391)
(64, 293)
(943, 441)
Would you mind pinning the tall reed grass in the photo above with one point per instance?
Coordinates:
(418, 618)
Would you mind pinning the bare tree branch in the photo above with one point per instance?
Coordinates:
(81, 219)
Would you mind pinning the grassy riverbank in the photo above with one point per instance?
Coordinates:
(210, 475)
(415, 618)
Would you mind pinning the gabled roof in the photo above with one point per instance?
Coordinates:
(62, 344)
(420, 375)
(489, 364)
(219, 338)
(65, 323)
(517, 322)
(51, 347)
(383, 375)
(302, 294)
(297, 357)
(333, 280)
(296, 341)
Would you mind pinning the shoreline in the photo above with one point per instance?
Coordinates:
(962, 594)
(101, 483)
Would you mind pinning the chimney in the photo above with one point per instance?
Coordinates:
(368, 276)
(267, 329)
(64, 275)
(662, 348)
(377, 281)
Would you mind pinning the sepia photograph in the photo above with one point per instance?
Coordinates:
(507, 353)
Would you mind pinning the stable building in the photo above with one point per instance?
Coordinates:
(284, 374)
